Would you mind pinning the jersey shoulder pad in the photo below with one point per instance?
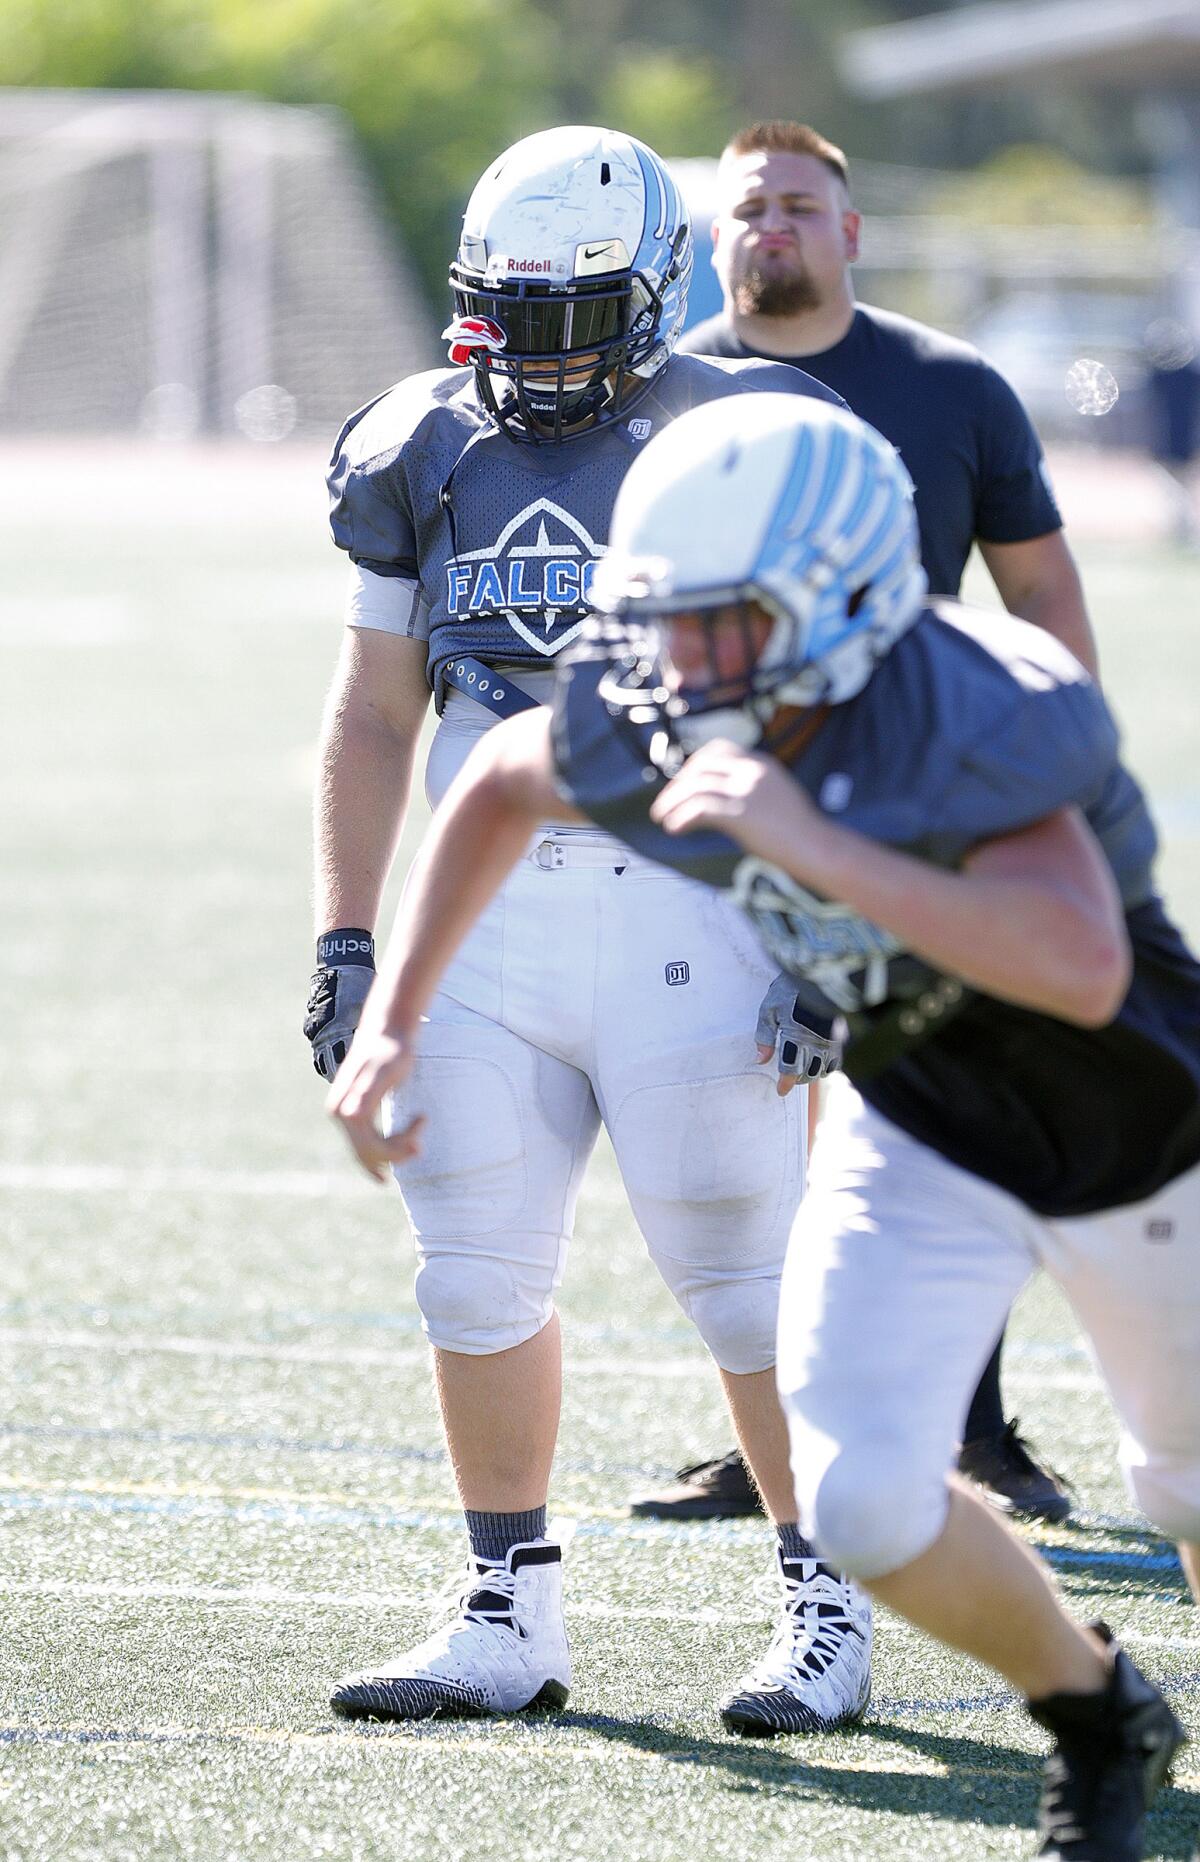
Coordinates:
(711, 376)
(1032, 657)
(1031, 730)
(369, 501)
(404, 412)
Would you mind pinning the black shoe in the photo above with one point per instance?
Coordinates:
(1113, 1750)
(1011, 1480)
(709, 1490)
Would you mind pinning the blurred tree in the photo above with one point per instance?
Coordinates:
(681, 105)
(1032, 185)
(437, 87)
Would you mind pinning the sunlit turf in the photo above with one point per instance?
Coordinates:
(222, 1481)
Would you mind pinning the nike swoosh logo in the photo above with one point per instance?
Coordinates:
(593, 252)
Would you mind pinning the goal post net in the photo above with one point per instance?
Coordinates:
(182, 264)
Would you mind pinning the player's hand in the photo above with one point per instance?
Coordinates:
(376, 1064)
(748, 796)
(804, 1053)
(336, 993)
(335, 1002)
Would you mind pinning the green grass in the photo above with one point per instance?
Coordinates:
(222, 1481)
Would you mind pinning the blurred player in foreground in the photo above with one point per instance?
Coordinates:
(923, 811)
(474, 502)
(786, 235)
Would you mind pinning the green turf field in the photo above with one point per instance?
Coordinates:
(221, 1482)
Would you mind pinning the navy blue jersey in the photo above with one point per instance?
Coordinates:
(501, 539)
(969, 446)
(973, 726)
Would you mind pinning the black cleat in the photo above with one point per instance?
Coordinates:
(1112, 1753)
(719, 1489)
(1011, 1479)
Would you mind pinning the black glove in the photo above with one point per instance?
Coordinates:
(339, 987)
(802, 1052)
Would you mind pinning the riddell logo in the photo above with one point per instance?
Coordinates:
(529, 265)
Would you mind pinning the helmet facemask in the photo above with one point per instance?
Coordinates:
(570, 354)
(755, 673)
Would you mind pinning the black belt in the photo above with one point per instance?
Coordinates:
(487, 687)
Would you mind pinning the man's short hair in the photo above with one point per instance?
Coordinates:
(783, 138)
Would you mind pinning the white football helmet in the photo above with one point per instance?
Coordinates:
(570, 285)
(777, 499)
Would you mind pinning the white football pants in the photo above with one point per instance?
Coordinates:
(597, 987)
(899, 1276)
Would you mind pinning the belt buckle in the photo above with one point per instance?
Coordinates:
(550, 855)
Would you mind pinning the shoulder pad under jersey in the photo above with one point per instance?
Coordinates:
(1033, 737)
(696, 379)
(369, 507)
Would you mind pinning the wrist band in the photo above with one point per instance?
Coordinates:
(337, 950)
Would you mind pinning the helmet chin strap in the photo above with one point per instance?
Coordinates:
(576, 403)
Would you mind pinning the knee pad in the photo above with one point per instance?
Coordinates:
(735, 1313)
(491, 1194)
(714, 1165)
(479, 1303)
(869, 1508)
(1169, 1495)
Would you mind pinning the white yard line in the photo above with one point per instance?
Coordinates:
(399, 1356)
(119, 1179)
(269, 1596)
(272, 1596)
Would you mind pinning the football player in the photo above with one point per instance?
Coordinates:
(785, 240)
(923, 811)
(474, 503)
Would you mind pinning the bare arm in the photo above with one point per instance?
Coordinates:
(1038, 581)
(501, 794)
(1033, 917)
(369, 732)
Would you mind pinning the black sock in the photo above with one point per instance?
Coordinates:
(793, 1544)
(986, 1414)
(493, 1535)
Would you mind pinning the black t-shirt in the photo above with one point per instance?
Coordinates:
(974, 725)
(968, 443)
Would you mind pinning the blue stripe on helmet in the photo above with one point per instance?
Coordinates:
(654, 184)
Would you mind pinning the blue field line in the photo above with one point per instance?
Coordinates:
(732, 1532)
(307, 1513)
(997, 1701)
(292, 1444)
(384, 1451)
(276, 1326)
(95, 1736)
(1133, 1561)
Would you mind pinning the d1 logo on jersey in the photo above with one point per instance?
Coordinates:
(537, 574)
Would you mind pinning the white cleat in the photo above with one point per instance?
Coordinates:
(816, 1673)
(505, 1650)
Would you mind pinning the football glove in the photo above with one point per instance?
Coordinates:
(802, 1052)
(339, 987)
